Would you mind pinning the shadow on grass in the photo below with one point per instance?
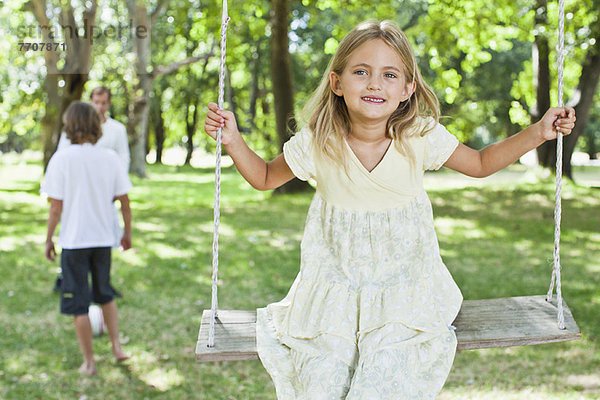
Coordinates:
(500, 243)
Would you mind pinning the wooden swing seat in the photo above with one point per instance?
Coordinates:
(504, 322)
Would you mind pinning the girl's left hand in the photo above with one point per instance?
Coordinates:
(557, 119)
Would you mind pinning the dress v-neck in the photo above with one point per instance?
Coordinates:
(361, 165)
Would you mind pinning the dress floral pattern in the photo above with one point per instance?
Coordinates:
(369, 314)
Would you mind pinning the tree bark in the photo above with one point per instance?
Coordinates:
(139, 110)
(190, 127)
(281, 76)
(592, 150)
(582, 101)
(541, 79)
(230, 98)
(74, 73)
(254, 85)
(159, 126)
(191, 98)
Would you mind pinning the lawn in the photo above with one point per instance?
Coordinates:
(496, 238)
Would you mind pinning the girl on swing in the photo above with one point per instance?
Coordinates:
(369, 315)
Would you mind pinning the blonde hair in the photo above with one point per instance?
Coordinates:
(327, 113)
(82, 123)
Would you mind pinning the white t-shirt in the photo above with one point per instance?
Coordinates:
(86, 178)
(114, 137)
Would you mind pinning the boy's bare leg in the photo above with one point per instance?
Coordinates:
(83, 329)
(109, 310)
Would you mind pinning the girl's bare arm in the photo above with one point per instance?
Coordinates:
(499, 155)
(260, 174)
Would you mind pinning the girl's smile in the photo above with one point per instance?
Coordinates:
(373, 99)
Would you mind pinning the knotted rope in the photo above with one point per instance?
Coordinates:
(559, 158)
(217, 208)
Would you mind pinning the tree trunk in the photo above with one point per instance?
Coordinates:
(582, 101)
(159, 127)
(58, 102)
(592, 150)
(51, 122)
(160, 138)
(191, 128)
(74, 72)
(541, 79)
(583, 98)
(139, 110)
(281, 76)
(229, 97)
(192, 100)
(254, 86)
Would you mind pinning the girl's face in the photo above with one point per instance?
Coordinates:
(373, 83)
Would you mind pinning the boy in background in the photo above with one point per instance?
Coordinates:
(114, 137)
(82, 182)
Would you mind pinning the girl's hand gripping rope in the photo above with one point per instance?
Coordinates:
(560, 119)
(217, 118)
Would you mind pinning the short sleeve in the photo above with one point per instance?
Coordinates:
(439, 146)
(299, 155)
(122, 146)
(53, 184)
(122, 183)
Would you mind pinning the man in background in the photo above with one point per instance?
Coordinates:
(114, 134)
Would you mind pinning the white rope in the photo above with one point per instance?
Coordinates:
(217, 207)
(559, 157)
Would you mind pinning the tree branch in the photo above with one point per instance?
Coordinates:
(158, 10)
(165, 70)
(38, 8)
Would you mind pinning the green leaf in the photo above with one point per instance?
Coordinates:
(331, 45)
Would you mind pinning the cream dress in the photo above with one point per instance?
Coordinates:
(369, 315)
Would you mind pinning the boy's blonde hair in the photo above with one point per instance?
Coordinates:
(328, 115)
(82, 123)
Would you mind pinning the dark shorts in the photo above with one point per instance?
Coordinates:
(77, 266)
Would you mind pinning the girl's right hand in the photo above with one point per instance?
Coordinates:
(217, 118)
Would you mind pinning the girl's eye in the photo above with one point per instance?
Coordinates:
(390, 75)
(360, 72)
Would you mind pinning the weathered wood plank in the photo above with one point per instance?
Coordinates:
(512, 321)
(504, 322)
(235, 336)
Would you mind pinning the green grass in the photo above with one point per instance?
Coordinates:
(496, 239)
